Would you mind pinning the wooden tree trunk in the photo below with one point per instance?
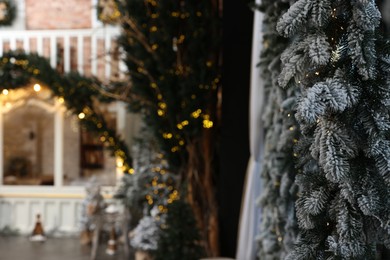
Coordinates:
(201, 191)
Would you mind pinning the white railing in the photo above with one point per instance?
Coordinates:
(88, 51)
(60, 211)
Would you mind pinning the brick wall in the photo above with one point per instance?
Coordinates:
(59, 14)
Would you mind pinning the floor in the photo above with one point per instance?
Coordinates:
(21, 248)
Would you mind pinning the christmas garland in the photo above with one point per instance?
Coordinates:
(278, 226)
(7, 12)
(18, 69)
(340, 62)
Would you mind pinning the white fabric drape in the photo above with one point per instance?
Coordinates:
(250, 213)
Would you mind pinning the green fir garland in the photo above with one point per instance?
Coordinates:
(18, 69)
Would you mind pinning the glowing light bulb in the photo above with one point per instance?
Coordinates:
(37, 87)
(5, 92)
(119, 163)
(81, 115)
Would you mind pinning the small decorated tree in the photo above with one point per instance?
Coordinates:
(152, 185)
(144, 238)
(179, 238)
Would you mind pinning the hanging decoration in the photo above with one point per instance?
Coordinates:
(18, 69)
(108, 12)
(7, 12)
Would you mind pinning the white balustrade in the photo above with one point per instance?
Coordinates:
(59, 208)
(88, 51)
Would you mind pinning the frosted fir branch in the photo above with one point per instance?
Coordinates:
(321, 13)
(305, 220)
(319, 50)
(347, 192)
(375, 121)
(293, 59)
(285, 188)
(333, 95)
(379, 150)
(382, 120)
(290, 69)
(297, 47)
(336, 148)
(361, 49)
(305, 159)
(366, 15)
(345, 249)
(355, 49)
(385, 62)
(335, 165)
(294, 18)
(334, 133)
(315, 202)
(350, 239)
(302, 252)
(312, 106)
(370, 55)
(370, 204)
(307, 247)
(349, 223)
(316, 145)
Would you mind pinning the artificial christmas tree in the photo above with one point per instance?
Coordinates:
(172, 55)
(340, 62)
(278, 228)
(153, 185)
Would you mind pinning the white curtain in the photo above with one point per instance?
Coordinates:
(250, 213)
